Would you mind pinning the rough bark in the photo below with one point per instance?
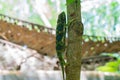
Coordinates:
(75, 31)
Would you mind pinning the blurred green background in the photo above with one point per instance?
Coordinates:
(100, 17)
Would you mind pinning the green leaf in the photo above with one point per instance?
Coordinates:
(70, 2)
(106, 69)
(113, 64)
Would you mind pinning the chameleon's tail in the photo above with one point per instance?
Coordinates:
(62, 64)
(62, 67)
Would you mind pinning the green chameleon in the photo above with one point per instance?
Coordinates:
(60, 40)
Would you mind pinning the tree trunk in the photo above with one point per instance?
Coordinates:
(75, 31)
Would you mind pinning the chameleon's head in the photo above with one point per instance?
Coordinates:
(62, 17)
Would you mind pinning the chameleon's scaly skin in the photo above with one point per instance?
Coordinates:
(60, 40)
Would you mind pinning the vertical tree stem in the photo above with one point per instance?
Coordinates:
(75, 31)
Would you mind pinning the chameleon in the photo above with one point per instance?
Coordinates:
(60, 40)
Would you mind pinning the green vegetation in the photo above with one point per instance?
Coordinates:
(113, 66)
(101, 18)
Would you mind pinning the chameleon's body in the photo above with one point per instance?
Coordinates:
(60, 40)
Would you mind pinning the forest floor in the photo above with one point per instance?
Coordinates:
(15, 57)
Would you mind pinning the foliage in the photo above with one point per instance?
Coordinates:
(101, 18)
(113, 66)
(37, 11)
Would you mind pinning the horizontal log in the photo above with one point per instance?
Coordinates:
(44, 42)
